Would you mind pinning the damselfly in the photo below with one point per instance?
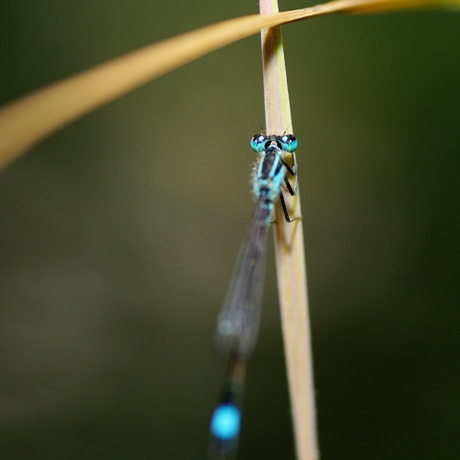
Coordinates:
(238, 320)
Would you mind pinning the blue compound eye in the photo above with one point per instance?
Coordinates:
(258, 142)
(288, 142)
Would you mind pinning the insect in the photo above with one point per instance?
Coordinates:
(239, 317)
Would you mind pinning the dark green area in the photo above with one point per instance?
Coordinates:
(118, 237)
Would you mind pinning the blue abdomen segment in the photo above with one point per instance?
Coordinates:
(225, 422)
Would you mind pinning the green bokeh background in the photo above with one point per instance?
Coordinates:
(118, 237)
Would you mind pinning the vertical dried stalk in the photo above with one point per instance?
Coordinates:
(290, 255)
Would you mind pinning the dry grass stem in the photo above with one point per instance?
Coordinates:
(290, 258)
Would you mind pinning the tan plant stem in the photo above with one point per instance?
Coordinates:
(290, 259)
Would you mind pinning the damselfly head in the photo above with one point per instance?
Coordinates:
(286, 142)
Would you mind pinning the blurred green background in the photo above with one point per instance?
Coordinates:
(118, 237)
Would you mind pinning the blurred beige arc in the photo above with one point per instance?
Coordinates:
(36, 116)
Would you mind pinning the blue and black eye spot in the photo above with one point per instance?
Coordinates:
(258, 142)
(288, 142)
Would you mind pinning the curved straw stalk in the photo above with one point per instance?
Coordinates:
(36, 116)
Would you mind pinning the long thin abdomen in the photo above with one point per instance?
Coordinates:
(238, 321)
